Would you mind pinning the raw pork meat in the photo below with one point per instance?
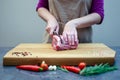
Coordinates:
(58, 43)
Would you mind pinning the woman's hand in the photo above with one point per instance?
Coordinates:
(52, 25)
(70, 32)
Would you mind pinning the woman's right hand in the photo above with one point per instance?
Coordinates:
(52, 25)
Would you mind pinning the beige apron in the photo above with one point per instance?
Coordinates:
(66, 10)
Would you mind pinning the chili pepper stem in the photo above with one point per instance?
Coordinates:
(43, 62)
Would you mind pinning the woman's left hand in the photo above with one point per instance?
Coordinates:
(70, 32)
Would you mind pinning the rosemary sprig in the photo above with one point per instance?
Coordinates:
(97, 69)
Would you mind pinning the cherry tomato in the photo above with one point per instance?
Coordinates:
(44, 65)
(82, 65)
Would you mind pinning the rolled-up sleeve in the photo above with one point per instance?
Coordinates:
(98, 7)
(42, 3)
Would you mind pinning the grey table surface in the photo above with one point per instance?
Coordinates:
(11, 73)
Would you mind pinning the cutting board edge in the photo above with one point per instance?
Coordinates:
(55, 61)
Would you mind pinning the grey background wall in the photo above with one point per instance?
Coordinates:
(19, 23)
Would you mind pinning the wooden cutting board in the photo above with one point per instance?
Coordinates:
(91, 53)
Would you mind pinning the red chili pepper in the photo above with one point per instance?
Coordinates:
(30, 67)
(71, 68)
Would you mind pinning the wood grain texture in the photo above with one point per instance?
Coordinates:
(91, 53)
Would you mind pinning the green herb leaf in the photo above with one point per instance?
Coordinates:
(97, 69)
(65, 70)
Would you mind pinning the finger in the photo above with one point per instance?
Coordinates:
(51, 31)
(57, 29)
(69, 40)
(48, 29)
(76, 38)
(72, 39)
(65, 37)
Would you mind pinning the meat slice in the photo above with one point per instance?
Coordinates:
(58, 43)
